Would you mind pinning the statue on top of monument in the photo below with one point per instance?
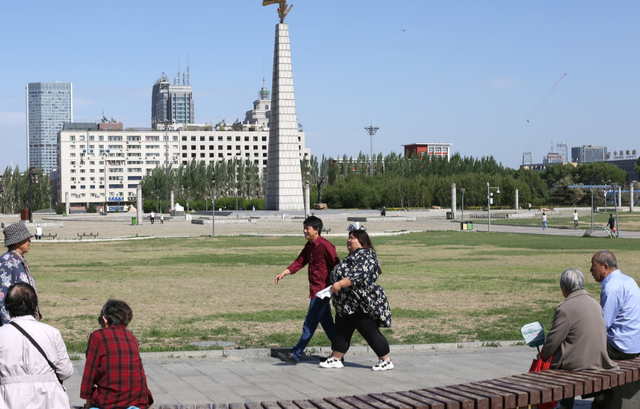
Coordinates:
(282, 10)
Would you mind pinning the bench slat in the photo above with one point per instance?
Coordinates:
(253, 405)
(220, 406)
(481, 401)
(449, 402)
(286, 404)
(463, 401)
(595, 381)
(236, 405)
(372, 402)
(629, 366)
(304, 404)
(270, 405)
(398, 401)
(617, 377)
(581, 385)
(556, 388)
(537, 393)
(342, 404)
(433, 403)
(498, 399)
(520, 397)
(321, 404)
(568, 385)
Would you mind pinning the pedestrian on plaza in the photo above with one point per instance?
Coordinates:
(113, 373)
(38, 232)
(529, 206)
(361, 304)
(33, 356)
(161, 218)
(544, 220)
(13, 266)
(384, 211)
(575, 219)
(321, 256)
(152, 217)
(612, 223)
(577, 340)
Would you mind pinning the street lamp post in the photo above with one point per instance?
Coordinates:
(462, 208)
(371, 130)
(614, 187)
(489, 199)
(213, 208)
(592, 190)
(605, 194)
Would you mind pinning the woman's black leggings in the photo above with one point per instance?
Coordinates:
(366, 326)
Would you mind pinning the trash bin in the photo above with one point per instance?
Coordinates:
(449, 215)
(134, 221)
(466, 226)
(469, 225)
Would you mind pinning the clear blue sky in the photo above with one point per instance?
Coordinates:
(465, 72)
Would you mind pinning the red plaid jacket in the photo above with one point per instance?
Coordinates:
(113, 374)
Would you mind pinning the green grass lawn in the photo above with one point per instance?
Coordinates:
(442, 286)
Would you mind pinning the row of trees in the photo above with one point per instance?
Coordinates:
(15, 190)
(398, 181)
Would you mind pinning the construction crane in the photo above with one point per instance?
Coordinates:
(545, 97)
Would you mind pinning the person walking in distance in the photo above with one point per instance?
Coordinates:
(544, 220)
(575, 219)
(321, 256)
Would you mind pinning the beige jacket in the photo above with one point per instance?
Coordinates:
(577, 339)
(26, 379)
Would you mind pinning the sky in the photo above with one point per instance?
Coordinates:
(465, 72)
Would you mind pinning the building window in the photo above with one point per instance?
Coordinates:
(184, 138)
(237, 139)
(211, 154)
(255, 147)
(220, 155)
(193, 147)
(202, 139)
(264, 147)
(211, 147)
(246, 147)
(229, 139)
(246, 139)
(184, 155)
(255, 139)
(219, 138)
(202, 147)
(193, 155)
(237, 147)
(229, 147)
(264, 139)
(193, 138)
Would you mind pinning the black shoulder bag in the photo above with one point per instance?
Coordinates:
(35, 344)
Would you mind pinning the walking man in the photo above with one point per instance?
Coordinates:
(152, 217)
(575, 219)
(321, 257)
(612, 223)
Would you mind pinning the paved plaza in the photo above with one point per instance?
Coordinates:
(200, 377)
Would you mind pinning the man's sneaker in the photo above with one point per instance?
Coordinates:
(383, 365)
(288, 357)
(331, 362)
(329, 357)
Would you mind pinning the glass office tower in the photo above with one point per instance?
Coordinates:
(49, 106)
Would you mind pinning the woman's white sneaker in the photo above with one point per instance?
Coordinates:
(383, 365)
(331, 362)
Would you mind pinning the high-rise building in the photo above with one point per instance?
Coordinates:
(588, 153)
(49, 106)
(172, 103)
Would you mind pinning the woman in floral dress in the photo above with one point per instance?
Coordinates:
(360, 303)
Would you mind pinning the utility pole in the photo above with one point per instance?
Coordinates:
(371, 130)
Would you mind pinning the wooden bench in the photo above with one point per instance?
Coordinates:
(518, 391)
(92, 235)
(326, 230)
(49, 236)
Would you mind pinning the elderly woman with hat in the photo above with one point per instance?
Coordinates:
(13, 266)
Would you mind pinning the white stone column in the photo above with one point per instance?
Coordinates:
(284, 177)
(631, 204)
(140, 210)
(453, 200)
(66, 202)
(517, 200)
(620, 197)
(307, 200)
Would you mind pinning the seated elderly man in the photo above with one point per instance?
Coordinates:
(113, 376)
(577, 340)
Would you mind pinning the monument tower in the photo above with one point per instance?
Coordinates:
(284, 178)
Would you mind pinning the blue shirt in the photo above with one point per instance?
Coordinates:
(620, 301)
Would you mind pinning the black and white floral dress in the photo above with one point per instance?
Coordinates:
(365, 295)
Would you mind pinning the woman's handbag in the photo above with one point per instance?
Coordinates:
(35, 344)
(539, 365)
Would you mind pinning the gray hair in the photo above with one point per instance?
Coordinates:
(603, 257)
(572, 279)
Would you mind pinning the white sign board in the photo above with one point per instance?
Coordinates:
(533, 334)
